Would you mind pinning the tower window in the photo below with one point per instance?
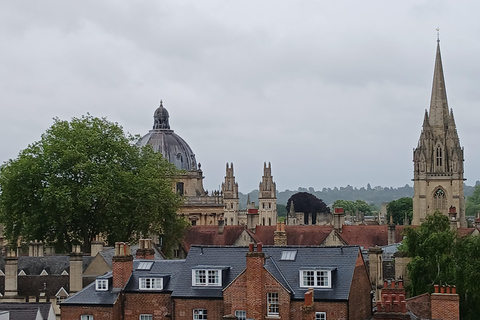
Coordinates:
(439, 199)
(439, 156)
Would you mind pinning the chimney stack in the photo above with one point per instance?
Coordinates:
(76, 269)
(122, 264)
(337, 219)
(445, 304)
(309, 298)
(391, 231)
(11, 270)
(35, 249)
(375, 266)
(145, 250)
(221, 226)
(280, 236)
(255, 282)
(96, 246)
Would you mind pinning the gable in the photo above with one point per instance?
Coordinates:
(97, 267)
(333, 239)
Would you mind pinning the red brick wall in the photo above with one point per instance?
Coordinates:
(184, 308)
(157, 304)
(98, 313)
(334, 310)
(360, 302)
(445, 306)
(122, 267)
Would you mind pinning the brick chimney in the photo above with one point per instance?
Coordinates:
(253, 218)
(309, 298)
(76, 269)
(280, 235)
(11, 271)
(35, 249)
(337, 219)
(256, 302)
(122, 264)
(96, 246)
(391, 231)
(145, 250)
(392, 304)
(452, 217)
(375, 268)
(446, 303)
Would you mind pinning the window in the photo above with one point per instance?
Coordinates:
(86, 317)
(199, 314)
(320, 316)
(101, 284)
(151, 283)
(315, 278)
(439, 199)
(202, 277)
(439, 156)
(146, 317)
(241, 314)
(272, 303)
(180, 188)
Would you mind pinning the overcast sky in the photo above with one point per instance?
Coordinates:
(330, 92)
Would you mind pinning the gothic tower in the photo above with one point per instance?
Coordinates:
(438, 158)
(267, 198)
(230, 197)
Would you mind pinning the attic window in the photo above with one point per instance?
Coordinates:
(315, 278)
(151, 284)
(202, 277)
(145, 265)
(289, 255)
(101, 284)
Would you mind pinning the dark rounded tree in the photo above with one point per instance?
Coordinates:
(308, 204)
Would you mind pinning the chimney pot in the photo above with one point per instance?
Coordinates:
(437, 288)
(392, 284)
(442, 289)
(385, 284)
(400, 284)
(259, 247)
(282, 227)
(454, 290)
(250, 247)
(448, 289)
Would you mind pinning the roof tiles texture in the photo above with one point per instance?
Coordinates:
(209, 235)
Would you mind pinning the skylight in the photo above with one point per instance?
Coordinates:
(289, 255)
(145, 265)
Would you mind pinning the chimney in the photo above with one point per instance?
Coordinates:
(375, 266)
(445, 305)
(11, 271)
(255, 286)
(96, 246)
(252, 218)
(392, 304)
(452, 217)
(221, 226)
(280, 236)
(76, 269)
(391, 231)
(309, 298)
(145, 250)
(337, 219)
(35, 249)
(122, 264)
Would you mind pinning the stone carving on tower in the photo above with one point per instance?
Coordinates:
(267, 198)
(230, 197)
(438, 158)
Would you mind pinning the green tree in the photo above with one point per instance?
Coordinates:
(431, 246)
(399, 209)
(83, 178)
(281, 210)
(472, 206)
(347, 205)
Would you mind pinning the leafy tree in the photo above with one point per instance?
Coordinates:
(472, 206)
(431, 246)
(281, 210)
(83, 178)
(399, 208)
(307, 203)
(347, 205)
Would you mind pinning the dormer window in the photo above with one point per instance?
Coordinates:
(206, 277)
(315, 278)
(151, 284)
(101, 284)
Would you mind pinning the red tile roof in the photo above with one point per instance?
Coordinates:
(296, 235)
(208, 235)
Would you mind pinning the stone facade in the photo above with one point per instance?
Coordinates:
(438, 158)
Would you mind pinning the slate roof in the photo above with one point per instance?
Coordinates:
(341, 260)
(26, 311)
(54, 264)
(108, 253)
(167, 269)
(208, 235)
(89, 296)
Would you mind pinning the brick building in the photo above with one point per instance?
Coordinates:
(222, 282)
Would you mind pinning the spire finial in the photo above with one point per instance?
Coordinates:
(161, 103)
(438, 34)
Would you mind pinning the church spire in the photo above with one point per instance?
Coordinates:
(438, 104)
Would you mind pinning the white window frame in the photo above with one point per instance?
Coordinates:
(86, 317)
(146, 283)
(241, 314)
(200, 314)
(320, 316)
(145, 317)
(101, 284)
(273, 304)
(207, 277)
(316, 274)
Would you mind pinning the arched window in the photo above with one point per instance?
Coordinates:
(439, 199)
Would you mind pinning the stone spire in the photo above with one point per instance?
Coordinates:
(438, 103)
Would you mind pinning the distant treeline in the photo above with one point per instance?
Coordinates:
(372, 195)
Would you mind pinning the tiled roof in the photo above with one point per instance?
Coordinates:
(340, 259)
(209, 235)
(296, 235)
(27, 311)
(90, 296)
(369, 236)
(168, 269)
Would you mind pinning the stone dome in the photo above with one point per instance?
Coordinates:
(164, 140)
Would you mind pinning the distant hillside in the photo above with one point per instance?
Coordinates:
(376, 195)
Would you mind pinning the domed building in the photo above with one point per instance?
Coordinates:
(200, 207)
